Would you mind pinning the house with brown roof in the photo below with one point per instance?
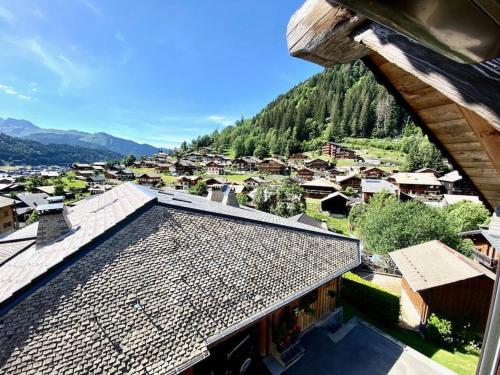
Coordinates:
(336, 204)
(161, 282)
(7, 218)
(182, 167)
(416, 183)
(306, 174)
(298, 158)
(373, 172)
(271, 166)
(370, 187)
(317, 164)
(438, 279)
(150, 178)
(185, 182)
(351, 180)
(245, 163)
(254, 181)
(337, 151)
(319, 188)
(454, 183)
(214, 168)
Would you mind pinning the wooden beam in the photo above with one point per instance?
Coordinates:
(475, 87)
(318, 32)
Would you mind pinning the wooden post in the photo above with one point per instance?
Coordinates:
(263, 333)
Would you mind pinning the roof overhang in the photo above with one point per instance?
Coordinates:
(457, 105)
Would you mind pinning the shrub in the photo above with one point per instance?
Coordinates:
(373, 300)
(439, 330)
(473, 347)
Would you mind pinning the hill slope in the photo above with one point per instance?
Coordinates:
(344, 101)
(22, 151)
(104, 141)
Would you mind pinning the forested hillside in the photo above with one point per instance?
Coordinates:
(24, 152)
(344, 101)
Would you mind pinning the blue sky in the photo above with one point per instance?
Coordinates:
(155, 71)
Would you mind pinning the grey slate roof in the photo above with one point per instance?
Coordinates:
(151, 296)
(32, 199)
(377, 186)
(308, 220)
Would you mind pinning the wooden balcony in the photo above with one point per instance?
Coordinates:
(485, 260)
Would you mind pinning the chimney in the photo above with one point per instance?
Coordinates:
(53, 223)
(230, 199)
(215, 195)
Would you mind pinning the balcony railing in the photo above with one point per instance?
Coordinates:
(485, 260)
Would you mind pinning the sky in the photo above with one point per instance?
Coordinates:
(154, 71)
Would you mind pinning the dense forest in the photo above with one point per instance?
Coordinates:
(341, 102)
(344, 101)
(24, 152)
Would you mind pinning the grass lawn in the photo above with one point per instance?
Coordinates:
(169, 180)
(71, 182)
(143, 170)
(334, 224)
(461, 363)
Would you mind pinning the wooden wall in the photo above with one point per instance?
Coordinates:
(468, 298)
(416, 300)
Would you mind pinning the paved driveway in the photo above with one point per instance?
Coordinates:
(361, 350)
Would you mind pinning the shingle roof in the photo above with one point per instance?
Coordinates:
(33, 199)
(308, 220)
(453, 176)
(376, 186)
(433, 264)
(4, 202)
(153, 295)
(416, 178)
(322, 182)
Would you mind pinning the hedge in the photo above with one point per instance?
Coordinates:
(371, 299)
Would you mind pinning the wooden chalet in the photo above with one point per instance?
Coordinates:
(486, 242)
(254, 181)
(163, 167)
(81, 167)
(463, 291)
(351, 180)
(182, 167)
(319, 188)
(429, 170)
(245, 164)
(120, 174)
(306, 174)
(185, 182)
(416, 183)
(336, 204)
(446, 77)
(453, 183)
(337, 151)
(7, 218)
(317, 164)
(271, 166)
(150, 179)
(371, 186)
(298, 158)
(373, 172)
(214, 168)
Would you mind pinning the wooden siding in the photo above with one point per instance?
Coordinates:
(470, 140)
(416, 300)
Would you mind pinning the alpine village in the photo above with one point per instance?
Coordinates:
(352, 226)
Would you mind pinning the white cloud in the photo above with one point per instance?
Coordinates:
(9, 90)
(223, 120)
(69, 72)
(90, 6)
(25, 97)
(119, 36)
(7, 15)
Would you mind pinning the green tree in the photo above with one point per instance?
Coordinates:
(467, 215)
(261, 151)
(239, 146)
(129, 160)
(263, 198)
(200, 188)
(34, 217)
(289, 200)
(59, 189)
(242, 199)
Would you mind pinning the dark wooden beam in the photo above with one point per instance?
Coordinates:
(318, 32)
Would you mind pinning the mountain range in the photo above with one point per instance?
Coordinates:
(99, 141)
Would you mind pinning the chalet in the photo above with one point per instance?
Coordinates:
(486, 242)
(7, 218)
(212, 181)
(306, 174)
(81, 167)
(49, 174)
(150, 179)
(98, 168)
(164, 275)
(373, 172)
(445, 78)
(102, 164)
(163, 167)
(48, 189)
(370, 186)
(298, 158)
(453, 183)
(428, 170)
(245, 164)
(183, 167)
(254, 181)
(148, 164)
(28, 202)
(120, 174)
(271, 166)
(336, 204)
(438, 279)
(319, 188)
(214, 168)
(337, 151)
(317, 164)
(351, 180)
(416, 183)
(185, 182)
(96, 180)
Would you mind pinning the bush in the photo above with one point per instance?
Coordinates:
(473, 348)
(439, 330)
(373, 300)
